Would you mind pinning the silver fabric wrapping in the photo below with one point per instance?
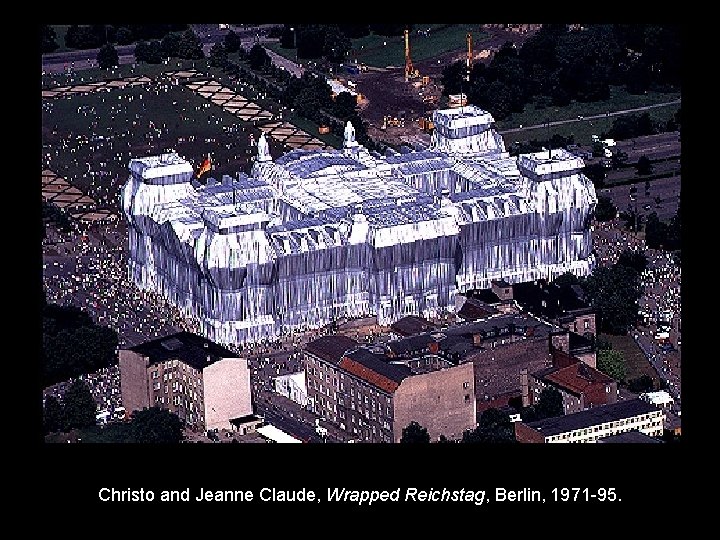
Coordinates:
(319, 235)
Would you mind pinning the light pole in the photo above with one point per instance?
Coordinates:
(292, 29)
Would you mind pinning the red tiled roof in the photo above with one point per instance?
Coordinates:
(368, 375)
(577, 377)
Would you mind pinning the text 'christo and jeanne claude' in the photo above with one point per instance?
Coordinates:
(337, 495)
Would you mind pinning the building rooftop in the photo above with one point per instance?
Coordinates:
(548, 300)
(191, 349)
(592, 417)
(574, 379)
(635, 437)
(473, 310)
(331, 348)
(411, 325)
(245, 419)
(380, 364)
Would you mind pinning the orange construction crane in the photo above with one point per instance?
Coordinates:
(409, 70)
(469, 60)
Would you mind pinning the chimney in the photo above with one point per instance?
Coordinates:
(525, 386)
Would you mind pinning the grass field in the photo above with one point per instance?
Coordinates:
(583, 130)
(371, 50)
(50, 80)
(188, 123)
(620, 99)
(312, 129)
(636, 362)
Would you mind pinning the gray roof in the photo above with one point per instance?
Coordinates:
(592, 417)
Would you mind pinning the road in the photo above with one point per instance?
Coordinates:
(284, 63)
(592, 117)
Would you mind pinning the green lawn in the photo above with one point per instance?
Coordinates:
(635, 361)
(371, 50)
(312, 129)
(52, 80)
(620, 99)
(583, 130)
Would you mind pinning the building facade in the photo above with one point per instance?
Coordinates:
(314, 236)
(373, 397)
(204, 384)
(593, 424)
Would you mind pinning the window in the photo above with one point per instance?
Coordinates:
(156, 386)
(467, 398)
(587, 324)
(155, 374)
(466, 385)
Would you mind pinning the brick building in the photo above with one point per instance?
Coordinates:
(594, 424)
(205, 384)
(580, 385)
(374, 396)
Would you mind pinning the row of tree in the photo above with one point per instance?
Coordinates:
(629, 126)
(560, 64)
(74, 345)
(97, 35)
(332, 41)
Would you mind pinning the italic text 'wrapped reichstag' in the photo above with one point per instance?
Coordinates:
(314, 236)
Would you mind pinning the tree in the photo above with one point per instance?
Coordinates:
(170, 45)
(232, 42)
(568, 279)
(79, 405)
(81, 37)
(644, 165)
(218, 55)
(550, 404)
(73, 344)
(345, 105)
(633, 259)
(614, 291)
(415, 433)
(124, 36)
(53, 416)
(494, 427)
(107, 56)
(656, 232)
(336, 44)
(605, 209)
(644, 383)
(155, 425)
(390, 29)
(612, 364)
(189, 47)
(258, 57)
(48, 39)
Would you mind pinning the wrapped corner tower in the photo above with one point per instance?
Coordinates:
(318, 235)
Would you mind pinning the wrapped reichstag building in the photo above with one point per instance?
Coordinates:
(314, 236)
